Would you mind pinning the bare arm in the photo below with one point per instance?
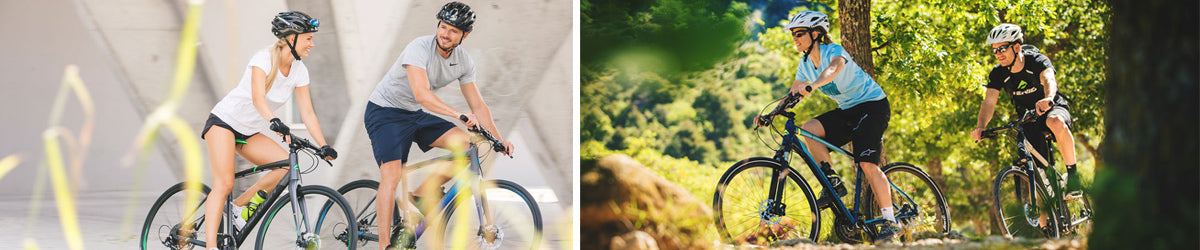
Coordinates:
(987, 108)
(826, 76)
(419, 82)
(480, 108)
(304, 102)
(1051, 88)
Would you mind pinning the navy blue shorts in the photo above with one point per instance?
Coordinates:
(213, 120)
(394, 130)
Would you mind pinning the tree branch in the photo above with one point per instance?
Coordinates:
(885, 44)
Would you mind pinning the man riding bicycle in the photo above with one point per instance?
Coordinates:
(395, 117)
(1028, 77)
(861, 117)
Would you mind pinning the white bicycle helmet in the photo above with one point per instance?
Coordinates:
(808, 19)
(1005, 33)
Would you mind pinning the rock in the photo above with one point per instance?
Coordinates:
(636, 240)
(620, 195)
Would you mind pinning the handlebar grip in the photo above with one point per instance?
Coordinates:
(462, 117)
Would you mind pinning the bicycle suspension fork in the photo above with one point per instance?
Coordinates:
(298, 206)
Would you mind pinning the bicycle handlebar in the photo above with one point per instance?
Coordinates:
(788, 102)
(1028, 117)
(496, 144)
(303, 144)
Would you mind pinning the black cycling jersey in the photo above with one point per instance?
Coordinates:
(1025, 87)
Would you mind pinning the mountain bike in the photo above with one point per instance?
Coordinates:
(313, 215)
(760, 200)
(1019, 201)
(500, 214)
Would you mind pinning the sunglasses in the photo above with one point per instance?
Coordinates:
(1002, 48)
(799, 33)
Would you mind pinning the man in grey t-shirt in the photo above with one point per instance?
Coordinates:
(395, 116)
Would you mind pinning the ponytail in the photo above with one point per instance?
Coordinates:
(275, 62)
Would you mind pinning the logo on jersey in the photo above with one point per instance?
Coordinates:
(1022, 85)
(830, 89)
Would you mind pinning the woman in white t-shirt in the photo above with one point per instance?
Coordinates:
(235, 122)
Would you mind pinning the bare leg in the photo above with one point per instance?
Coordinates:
(819, 152)
(220, 154)
(878, 182)
(1066, 141)
(260, 150)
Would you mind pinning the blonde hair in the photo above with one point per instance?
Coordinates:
(275, 61)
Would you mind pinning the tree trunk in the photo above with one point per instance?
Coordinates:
(935, 171)
(855, 20)
(1147, 195)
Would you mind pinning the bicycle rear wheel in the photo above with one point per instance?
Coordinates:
(918, 203)
(516, 220)
(165, 223)
(360, 195)
(1016, 204)
(746, 214)
(328, 217)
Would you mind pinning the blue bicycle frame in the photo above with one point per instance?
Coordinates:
(792, 143)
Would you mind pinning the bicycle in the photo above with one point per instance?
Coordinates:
(186, 231)
(511, 217)
(788, 202)
(1018, 214)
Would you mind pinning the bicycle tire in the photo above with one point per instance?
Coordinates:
(326, 232)
(506, 201)
(754, 207)
(922, 207)
(169, 227)
(1017, 215)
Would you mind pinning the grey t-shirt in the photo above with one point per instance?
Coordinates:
(394, 90)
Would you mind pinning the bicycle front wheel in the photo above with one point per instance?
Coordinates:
(746, 213)
(172, 223)
(325, 222)
(918, 202)
(515, 219)
(1016, 204)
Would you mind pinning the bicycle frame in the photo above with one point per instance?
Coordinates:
(1029, 159)
(291, 184)
(474, 165)
(792, 143)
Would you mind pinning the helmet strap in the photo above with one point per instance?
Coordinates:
(810, 48)
(1014, 61)
(292, 46)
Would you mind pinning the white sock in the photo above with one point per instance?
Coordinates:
(887, 214)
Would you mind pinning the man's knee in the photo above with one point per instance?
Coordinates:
(1055, 123)
(391, 170)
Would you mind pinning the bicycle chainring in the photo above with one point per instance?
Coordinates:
(848, 232)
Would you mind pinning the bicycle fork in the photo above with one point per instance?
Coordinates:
(299, 216)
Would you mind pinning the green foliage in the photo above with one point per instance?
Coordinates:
(682, 35)
(931, 62)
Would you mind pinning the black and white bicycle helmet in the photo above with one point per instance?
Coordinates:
(458, 15)
(293, 22)
(1005, 33)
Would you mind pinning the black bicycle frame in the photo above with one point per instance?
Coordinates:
(291, 184)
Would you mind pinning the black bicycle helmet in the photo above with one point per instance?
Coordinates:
(458, 15)
(293, 22)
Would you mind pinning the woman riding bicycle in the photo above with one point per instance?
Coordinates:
(395, 115)
(861, 117)
(235, 123)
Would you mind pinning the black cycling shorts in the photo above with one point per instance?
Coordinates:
(1037, 131)
(213, 120)
(862, 124)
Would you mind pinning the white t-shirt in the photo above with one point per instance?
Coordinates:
(237, 108)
